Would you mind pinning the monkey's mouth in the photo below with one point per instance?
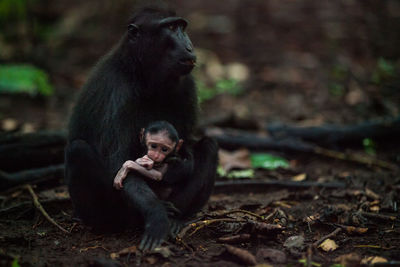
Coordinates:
(188, 62)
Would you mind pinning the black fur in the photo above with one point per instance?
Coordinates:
(143, 79)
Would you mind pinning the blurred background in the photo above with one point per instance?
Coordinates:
(304, 62)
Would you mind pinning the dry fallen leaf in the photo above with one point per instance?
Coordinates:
(328, 245)
(374, 208)
(349, 260)
(124, 251)
(300, 177)
(239, 159)
(358, 230)
(296, 241)
(372, 194)
(373, 259)
(9, 124)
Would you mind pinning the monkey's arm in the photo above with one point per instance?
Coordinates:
(179, 169)
(152, 173)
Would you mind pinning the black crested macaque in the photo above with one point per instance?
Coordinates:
(145, 78)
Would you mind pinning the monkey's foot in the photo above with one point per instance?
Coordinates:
(175, 226)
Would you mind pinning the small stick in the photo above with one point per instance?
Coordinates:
(355, 158)
(41, 209)
(317, 243)
(242, 211)
(378, 216)
(309, 256)
(201, 224)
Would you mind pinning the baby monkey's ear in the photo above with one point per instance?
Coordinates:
(178, 145)
(141, 137)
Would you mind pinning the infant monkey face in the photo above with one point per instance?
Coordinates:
(159, 146)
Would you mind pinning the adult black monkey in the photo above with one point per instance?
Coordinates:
(143, 79)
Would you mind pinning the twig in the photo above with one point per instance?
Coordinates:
(378, 216)
(41, 209)
(29, 203)
(242, 211)
(201, 224)
(309, 256)
(317, 243)
(355, 158)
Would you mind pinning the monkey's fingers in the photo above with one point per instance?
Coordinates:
(149, 243)
(144, 243)
(175, 227)
(172, 211)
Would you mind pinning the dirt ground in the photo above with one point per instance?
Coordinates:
(308, 212)
(292, 51)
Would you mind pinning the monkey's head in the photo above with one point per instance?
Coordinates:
(160, 139)
(160, 43)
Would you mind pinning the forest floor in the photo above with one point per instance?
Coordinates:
(277, 225)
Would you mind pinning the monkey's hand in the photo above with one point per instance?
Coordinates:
(145, 162)
(172, 211)
(122, 173)
(156, 230)
(175, 226)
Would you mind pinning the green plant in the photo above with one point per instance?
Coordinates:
(369, 146)
(384, 71)
(267, 161)
(13, 9)
(24, 79)
(229, 86)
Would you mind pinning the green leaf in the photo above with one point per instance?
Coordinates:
(15, 263)
(384, 71)
(304, 262)
(235, 174)
(369, 146)
(24, 79)
(240, 174)
(229, 86)
(268, 161)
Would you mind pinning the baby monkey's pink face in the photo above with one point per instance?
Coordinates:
(159, 146)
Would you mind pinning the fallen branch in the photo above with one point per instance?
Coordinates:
(334, 233)
(238, 139)
(269, 185)
(333, 135)
(42, 210)
(20, 151)
(8, 180)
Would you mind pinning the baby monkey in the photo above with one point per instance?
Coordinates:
(162, 143)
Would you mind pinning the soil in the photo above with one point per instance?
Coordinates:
(291, 49)
(27, 235)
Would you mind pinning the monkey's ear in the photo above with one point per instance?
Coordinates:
(133, 30)
(178, 145)
(141, 137)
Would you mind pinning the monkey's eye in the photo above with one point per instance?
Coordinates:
(154, 146)
(172, 27)
(164, 149)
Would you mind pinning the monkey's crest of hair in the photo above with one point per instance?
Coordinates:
(145, 15)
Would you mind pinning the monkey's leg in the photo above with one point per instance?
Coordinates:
(90, 187)
(145, 203)
(190, 197)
